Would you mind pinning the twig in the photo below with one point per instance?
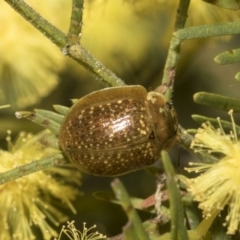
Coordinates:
(174, 49)
(78, 53)
(181, 14)
(75, 29)
(32, 167)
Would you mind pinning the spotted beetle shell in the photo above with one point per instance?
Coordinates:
(118, 130)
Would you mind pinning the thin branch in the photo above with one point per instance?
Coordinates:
(104, 75)
(50, 31)
(32, 167)
(75, 29)
(181, 14)
(77, 52)
(174, 49)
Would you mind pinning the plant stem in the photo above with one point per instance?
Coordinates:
(32, 167)
(75, 29)
(181, 14)
(174, 49)
(79, 53)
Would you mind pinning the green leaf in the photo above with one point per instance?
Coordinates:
(48, 119)
(129, 231)
(204, 31)
(191, 131)
(203, 228)
(225, 124)
(228, 4)
(134, 226)
(61, 109)
(178, 229)
(217, 101)
(231, 56)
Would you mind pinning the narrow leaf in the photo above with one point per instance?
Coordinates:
(61, 109)
(41, 118)
(203, 227)
(225, 124)
(231, 56)
(135, 224)
(204, 31)
(217, 101)
(178, 229)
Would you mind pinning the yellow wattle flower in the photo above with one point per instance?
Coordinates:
(29, 63)
(218, 184)
(72, 233)
(29, 201)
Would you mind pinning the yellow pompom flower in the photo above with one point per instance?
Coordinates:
(29, 63)
(73, 234)
(218, 184)
(31, 201)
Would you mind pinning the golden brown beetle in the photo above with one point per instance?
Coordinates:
(118, 130)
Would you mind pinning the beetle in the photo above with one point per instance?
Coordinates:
(118, 130)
